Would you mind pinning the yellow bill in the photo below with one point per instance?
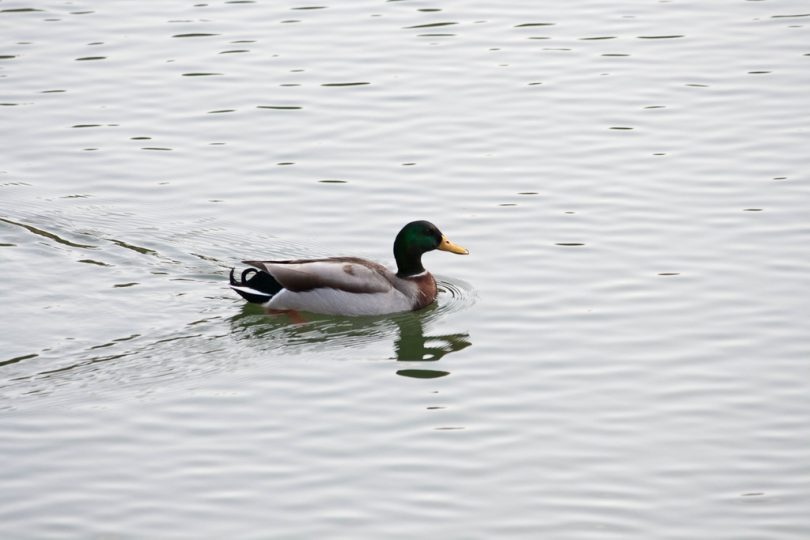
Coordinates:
(447, 245)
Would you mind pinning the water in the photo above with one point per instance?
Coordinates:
(624, 354)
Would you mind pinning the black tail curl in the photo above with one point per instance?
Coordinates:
(257, 288)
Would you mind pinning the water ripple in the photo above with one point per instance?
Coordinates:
(626, 344)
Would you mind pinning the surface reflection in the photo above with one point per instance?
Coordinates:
(412, 345)
(307, 332)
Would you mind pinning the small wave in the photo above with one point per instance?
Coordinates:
(454, 295)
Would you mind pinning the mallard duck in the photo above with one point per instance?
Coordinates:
(349, 285)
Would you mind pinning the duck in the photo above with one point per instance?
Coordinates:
(349, 286)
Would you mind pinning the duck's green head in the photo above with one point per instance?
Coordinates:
(416, 238)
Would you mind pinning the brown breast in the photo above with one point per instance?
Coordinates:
(427, 290)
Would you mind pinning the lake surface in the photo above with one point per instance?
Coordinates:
(624, 354)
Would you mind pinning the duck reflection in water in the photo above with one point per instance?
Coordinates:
(318, 333)
(412, 345)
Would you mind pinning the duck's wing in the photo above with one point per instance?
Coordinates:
(349, 274)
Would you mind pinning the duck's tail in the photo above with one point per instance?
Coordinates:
(258, 288)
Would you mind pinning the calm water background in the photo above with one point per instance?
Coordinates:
(625, 354)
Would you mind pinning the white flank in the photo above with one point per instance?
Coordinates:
(338, 302)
